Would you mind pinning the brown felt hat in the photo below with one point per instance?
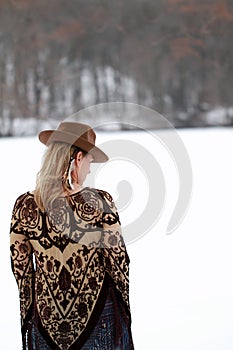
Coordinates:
(77, 134)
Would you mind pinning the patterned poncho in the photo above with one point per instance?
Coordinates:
(61, 262)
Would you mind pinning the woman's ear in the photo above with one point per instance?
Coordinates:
(79, 157)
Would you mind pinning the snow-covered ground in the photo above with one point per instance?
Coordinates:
(181, 285)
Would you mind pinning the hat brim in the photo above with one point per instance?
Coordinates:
(49, 136)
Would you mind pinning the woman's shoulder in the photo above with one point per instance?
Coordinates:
(25, 206)
(93, 197)
(102, 194)
(25, 198)
(22, 197)
(105, 195)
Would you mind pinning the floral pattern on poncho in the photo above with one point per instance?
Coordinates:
(60, 259)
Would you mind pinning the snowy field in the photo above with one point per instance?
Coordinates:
(181, 288)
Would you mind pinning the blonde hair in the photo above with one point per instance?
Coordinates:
(52, 179)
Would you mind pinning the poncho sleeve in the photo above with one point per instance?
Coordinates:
(116, 259)
(22, 265)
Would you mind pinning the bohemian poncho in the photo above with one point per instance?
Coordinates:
(71, 267)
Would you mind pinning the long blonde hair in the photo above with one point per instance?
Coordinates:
(52, 179)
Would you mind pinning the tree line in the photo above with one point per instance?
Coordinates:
(57, 57)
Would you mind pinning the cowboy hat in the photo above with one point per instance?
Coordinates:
(77, 134)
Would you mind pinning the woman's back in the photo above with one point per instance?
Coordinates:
(79, 253)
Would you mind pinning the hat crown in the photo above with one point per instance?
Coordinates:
(78, 131)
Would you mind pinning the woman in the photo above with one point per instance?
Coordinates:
(68, 255)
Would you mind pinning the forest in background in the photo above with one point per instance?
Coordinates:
(58, 57)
